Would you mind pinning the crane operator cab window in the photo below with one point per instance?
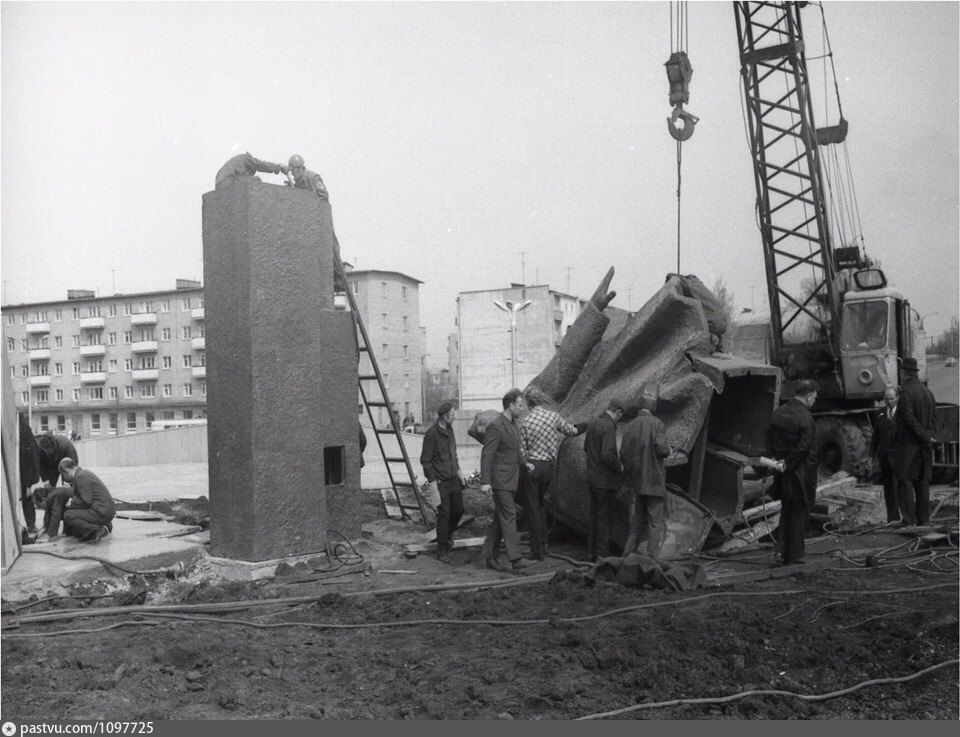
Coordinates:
(866, 326)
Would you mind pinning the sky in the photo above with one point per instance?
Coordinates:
(469, 145)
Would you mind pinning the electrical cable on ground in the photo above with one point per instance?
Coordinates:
(772, 692)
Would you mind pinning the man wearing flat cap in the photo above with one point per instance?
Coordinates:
(914, 428)
(440, 466)
(603, 475)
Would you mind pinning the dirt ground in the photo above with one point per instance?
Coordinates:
(821, 636)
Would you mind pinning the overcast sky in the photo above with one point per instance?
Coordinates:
(453, 137)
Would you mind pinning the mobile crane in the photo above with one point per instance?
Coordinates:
(833, 317)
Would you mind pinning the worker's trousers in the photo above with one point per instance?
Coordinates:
(503, 527)
(449, 512)
(535, 485)
(890, 494)
(794, 515)
(29, 510)
(601, 507)
(648, 524)
(913, 496)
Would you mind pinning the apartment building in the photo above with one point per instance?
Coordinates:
(91, 366)
(488, 360)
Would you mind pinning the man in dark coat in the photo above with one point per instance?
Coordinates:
(53, 449)
(791, 438)
(500, 464)
(882, 448)
(603, 476)
(245, 166)
(440, 466)
(643, 452)
(29, 471)
(89, 514)
(913, 445)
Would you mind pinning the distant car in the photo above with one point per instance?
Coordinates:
(950, 362)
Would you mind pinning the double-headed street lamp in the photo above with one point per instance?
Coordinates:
(513, 308)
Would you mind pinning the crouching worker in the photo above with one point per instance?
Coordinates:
(87, 510)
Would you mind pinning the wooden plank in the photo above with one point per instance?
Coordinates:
(751, 535)
(837, 487)
(468, 542)
(390, 504)
(762, 510)
(779, 571)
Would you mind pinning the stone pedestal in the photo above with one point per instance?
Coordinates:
(281, 376)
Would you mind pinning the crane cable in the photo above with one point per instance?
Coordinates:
(679, 41)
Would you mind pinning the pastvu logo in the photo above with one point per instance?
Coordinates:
(9, 729)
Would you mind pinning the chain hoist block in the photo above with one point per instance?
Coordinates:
(679, 73)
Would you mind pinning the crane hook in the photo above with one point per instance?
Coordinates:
(689, 122)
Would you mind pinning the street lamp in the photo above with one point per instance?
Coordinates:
(513, 308)
(924, 317)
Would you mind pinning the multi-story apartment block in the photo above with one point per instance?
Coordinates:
(482, 351)
(389, 304)
(92, 365)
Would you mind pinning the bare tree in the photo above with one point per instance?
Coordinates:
(725, 298)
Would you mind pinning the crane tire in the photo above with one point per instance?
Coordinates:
(841, 447)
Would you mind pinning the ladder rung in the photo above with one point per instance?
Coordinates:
(407, 506)
(385, 432)
(377, 404)
(364, 348)
(367, 377)
(395, 460)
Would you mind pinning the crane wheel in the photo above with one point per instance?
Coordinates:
(841, 447)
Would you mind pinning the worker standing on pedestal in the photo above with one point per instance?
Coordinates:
(245, 166)
(303, 178)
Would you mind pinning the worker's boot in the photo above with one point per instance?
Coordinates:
(521, 563)
(443, 554)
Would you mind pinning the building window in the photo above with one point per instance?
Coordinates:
(10, 319)
(112, 365)
(128, 392)
(57, 315)
(406, 353)
(58, 369)
(76, 368)
(406, 381)
(44, 342)
(167, 362)
(42, 368)
(146, 307)
(201, 331)
(24, 345)
(112, 310)
(112, 338)
(185, 303)
(131, 420)
(95, 422)
(58, 342)
(383, 289)
(403, 292)
(113, 392)
(113, 424)
(203, 388)
(23, 318)
(43, 396)
(148, 390)
(168, 390)
(165, 305)
(383, 320)
(95, 338)
(61, 423)
(202, 357)
(127, 308)
(11, 344)
(76, 341)
(385, 350)
(44, 423)
(188, 390)
(128, 364)
(185, 332)
(96, 392)
(13, 372)
(187, 361)
(165, 334)
(76, 313)
(76, 395)
(188, 414)
(24, 371)
(148, 362)
(58, 394)
(149, 419)
(405, 324)
(24, 397)
(94, 366)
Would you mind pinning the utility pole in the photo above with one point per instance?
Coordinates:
(569, 269)
(523, 267)
(513, 309)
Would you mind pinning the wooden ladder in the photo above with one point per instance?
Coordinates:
(399, 468)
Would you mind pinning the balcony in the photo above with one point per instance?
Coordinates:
(197, 313)
(39, 381)
(40, 354)
(38, 328)
(146, 374)
(93, 350)
(93, 323)
(199, 372)
(558, 315)
(144, 318)
(199, 344)
(144, 346)
(93, 377)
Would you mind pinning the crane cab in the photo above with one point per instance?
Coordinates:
(877, 329)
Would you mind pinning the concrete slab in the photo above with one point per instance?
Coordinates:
(133, 544)
(166, 482)
(233, 569)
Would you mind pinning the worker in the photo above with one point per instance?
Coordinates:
(643, 453)
(603, 475)
(53, 449)
(363, 444)
(29, 472)
(89, 514)
(303, 178)
(882, 449)
(540, 432)
(441, 467)
(791, 438)
(245, 166)
(500, 463)
(913, 445)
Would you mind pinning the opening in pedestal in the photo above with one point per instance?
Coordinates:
(333, 465)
